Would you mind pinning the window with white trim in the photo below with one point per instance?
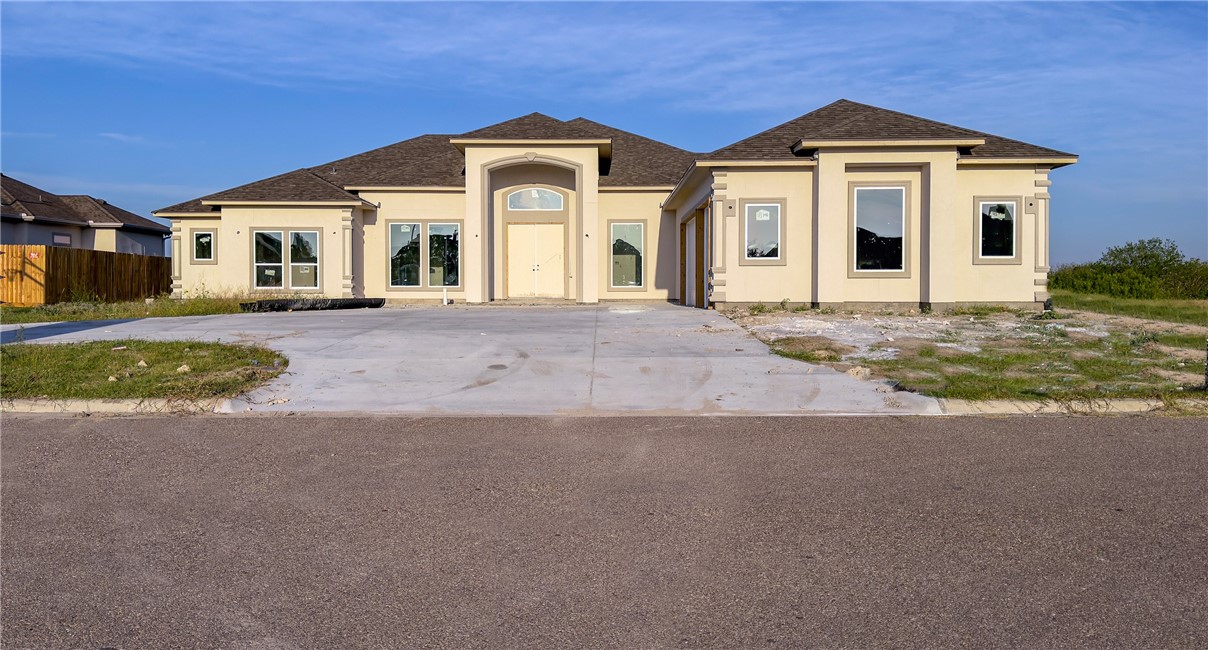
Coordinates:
(535, 198)
(880, 228)
(304, 259)
(268, 259)
(444, 254)
(763, 231)
(996, 229)
(277, 266)
(405, 262)
(628, 247)
(203, 246)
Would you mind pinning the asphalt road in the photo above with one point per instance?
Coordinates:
(278, 532)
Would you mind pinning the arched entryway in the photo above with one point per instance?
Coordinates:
(534, 209)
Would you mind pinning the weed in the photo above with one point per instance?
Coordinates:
(758, 308)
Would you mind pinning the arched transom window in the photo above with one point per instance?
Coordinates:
(534, 198)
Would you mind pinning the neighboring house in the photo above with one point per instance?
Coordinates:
(34, 216)
(847, 205)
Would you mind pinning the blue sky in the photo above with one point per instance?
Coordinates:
(149, 104)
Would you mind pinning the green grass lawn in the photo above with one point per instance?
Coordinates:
(1192, 312)
(112, 370)
(69, 311)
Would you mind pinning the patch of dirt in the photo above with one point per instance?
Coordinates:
(819, 347)
(1178, 376)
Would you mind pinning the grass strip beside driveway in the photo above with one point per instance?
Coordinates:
(87, 310)
(135, 369)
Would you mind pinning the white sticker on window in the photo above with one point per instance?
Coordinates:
(270, 272)
(763, 215)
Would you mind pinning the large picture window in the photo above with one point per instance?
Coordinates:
(444, 254)
(628, 246)
(534, 198)
(278, 266)
(405, 254)
(424, 254)
(880, 228)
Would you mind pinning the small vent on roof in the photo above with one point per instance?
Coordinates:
(333, 170)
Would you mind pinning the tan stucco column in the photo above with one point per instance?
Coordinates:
(346, 241)
(830, 225)
(938, 266)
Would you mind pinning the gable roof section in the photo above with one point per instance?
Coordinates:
(426, 161)
(79, 209)
(300, 185)
(636, 160)
(848, 120)
(534, 126)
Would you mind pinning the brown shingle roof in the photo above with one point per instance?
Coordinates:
(426, 161)
(79, 209)
(23, 198)
(637, 160)
(534, 126)
(298, 185)
(848, 120)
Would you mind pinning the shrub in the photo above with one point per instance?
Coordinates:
(1148, 269)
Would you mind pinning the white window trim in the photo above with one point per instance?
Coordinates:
(856, 224)
(318, 259)
(283, 264)
(507, 201)
(423, 249)
(779, 232)
(981, 241)
(213, 246)
(611, 240)
(427, 258)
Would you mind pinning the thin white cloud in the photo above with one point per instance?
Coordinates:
(124, 138)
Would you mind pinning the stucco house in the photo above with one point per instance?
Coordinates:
(33, 216)
(849, 205)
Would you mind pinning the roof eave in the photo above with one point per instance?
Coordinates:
(603, 144)
(888, 142)
(1054, 161)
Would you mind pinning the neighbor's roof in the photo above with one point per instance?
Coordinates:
(24, 199)
(848, 120)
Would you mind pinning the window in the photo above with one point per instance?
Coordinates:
(763, 231)
(272, 261)
(444, 254)
(268, 260)
(880, 228)
(628, 245)
(997, 231)
(404, 254)
(534, 198)
(60, 239)
(304, 260)
(203, 246)
(424, 249)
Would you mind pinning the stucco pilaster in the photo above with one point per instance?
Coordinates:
(942, 208)
(349, 269)
(831, 241)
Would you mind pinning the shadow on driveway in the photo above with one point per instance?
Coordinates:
(37, 331)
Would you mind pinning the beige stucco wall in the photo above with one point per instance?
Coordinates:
(371, 240)
(233, 271)
(793, 187)
(818, 238)
(481, 161)
(660, 273)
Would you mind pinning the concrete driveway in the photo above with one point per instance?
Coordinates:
(574, 360)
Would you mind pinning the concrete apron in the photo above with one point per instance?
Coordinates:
(622, 359)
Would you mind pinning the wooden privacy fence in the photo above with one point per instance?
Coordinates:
(42, 275)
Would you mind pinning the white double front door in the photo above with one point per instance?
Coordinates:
(536, 260)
